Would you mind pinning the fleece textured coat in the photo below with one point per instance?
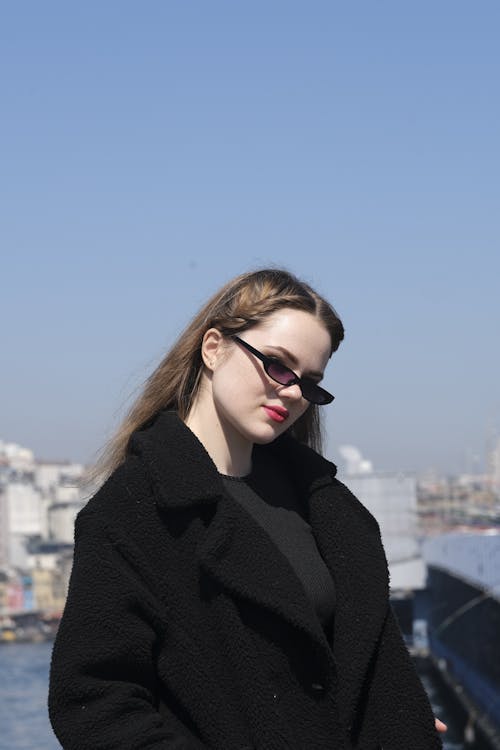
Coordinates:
(185, 628)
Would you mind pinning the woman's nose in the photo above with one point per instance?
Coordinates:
(291, 392)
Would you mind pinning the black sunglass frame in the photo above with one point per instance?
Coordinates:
(310, 386)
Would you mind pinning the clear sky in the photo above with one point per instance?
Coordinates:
(152, 150)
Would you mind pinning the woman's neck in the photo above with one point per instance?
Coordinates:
(230, 451)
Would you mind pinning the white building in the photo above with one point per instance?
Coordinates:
(17, 457)
(494, 467)
(62, 520)
(4, 529)
(25, 516)
(28, 490)
(50, 475)
(392, 498)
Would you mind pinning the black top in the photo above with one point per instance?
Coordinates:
(271, 499)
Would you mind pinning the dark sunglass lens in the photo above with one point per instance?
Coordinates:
(321, 398)
(280, 373)
(315, 394)
(310, 392)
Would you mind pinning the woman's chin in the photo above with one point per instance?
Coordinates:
(267, 434)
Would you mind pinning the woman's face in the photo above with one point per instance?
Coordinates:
(249, 404)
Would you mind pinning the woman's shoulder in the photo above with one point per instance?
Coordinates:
(126, 486)
(354, 504)
(312, 472)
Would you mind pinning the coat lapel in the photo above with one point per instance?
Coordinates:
(235, 550)
(240, 555)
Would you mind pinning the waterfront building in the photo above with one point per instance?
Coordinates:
(4, 528)
(49, 476)
(392, 498)
(28, 490)
(62, 517)
(16, 457)
(494, 466)
(50, 566)
(4, 579)
(26, 518)
(13, 593)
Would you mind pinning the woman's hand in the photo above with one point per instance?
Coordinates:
(440, 726)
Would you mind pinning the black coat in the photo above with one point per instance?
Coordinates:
(186, 628)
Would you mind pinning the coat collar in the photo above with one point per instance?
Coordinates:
(181, 471)
(183, 474)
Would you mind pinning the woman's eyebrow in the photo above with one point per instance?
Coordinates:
(293, 359)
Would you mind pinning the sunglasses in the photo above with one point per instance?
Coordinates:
(281, 374)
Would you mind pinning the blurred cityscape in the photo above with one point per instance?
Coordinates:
(441, 536)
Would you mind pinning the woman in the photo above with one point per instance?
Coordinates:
(228, 592)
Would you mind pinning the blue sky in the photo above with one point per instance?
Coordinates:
(150, 151)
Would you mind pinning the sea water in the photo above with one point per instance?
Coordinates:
(24, 673)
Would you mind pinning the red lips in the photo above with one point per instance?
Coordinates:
(278, 413)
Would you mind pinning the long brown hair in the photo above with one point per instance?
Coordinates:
(242, 303)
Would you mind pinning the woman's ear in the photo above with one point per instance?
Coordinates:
(211, 347)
